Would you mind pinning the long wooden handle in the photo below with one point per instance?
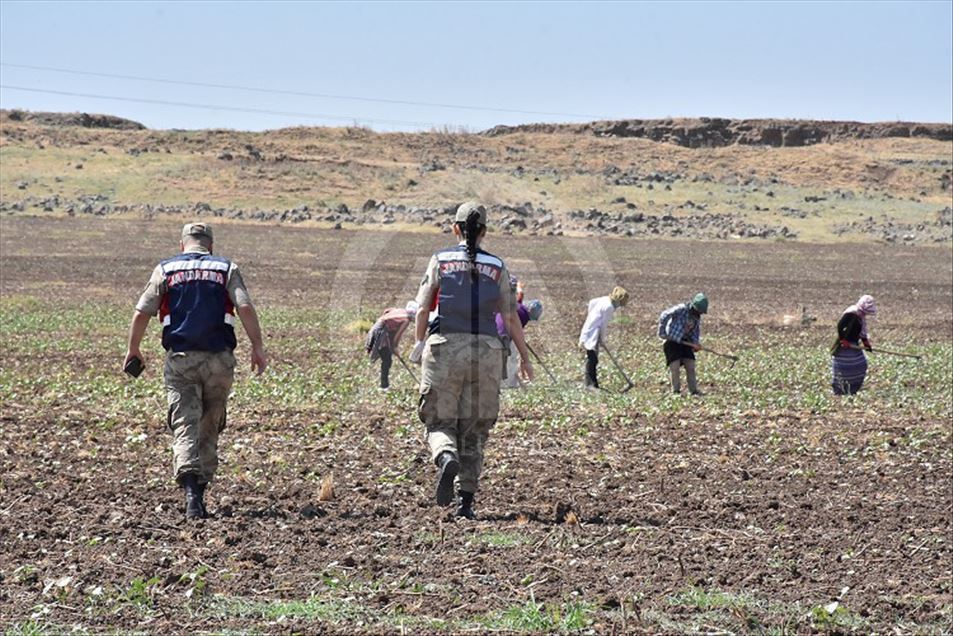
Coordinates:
(617, 365)
(404, 364)
(889, 353)
(712, 351)
(542, 364)
(897, 353)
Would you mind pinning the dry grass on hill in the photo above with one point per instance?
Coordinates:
(907, 180)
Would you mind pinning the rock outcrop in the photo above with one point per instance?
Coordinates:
(84, 120)
(715, 133)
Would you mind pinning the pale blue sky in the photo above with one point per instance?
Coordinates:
(867, 61)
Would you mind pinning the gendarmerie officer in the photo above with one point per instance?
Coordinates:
(196, 295)
(462, 357)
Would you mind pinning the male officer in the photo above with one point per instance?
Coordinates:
(196, 296)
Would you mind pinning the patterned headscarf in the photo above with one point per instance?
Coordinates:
(619, 296)
(535, 309)
(865, 307)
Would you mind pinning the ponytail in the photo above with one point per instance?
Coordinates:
(471, 229)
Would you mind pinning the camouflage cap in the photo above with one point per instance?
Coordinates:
(197, 229)
(466, 208)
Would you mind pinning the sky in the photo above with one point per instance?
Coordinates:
(470, 66)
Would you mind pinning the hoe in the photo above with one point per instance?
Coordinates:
(890, 353)
(630, 384)
(552, 377)
(404, 364)
(730, 356)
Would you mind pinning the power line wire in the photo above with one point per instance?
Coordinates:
(239, 109)
(275, 91)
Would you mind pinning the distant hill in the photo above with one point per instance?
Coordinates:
(708, 132)
(701, 179)
(85, 120)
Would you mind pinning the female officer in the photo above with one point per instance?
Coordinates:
(462, 357)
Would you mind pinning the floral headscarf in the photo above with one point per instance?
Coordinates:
(865, 307)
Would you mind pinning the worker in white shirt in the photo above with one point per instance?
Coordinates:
(593, 331)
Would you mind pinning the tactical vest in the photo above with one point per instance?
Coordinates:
(196, 311)
(465, 306)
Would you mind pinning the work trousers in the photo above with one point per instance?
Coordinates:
(460, 398)
(197, 384)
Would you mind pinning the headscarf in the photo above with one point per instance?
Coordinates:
(412, 307)
(865, 307)
(619, 296)
(535, 309)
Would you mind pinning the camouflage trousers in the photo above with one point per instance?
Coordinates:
(197, 384)
(460, 398)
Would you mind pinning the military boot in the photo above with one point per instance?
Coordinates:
(466, 506)
(448, 467)
(194, 507)
(202, 488)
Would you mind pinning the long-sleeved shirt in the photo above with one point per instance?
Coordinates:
(600, 315)
(523, 314)
(852, 328)
(857, 322)
(678, 324)
(386, 332)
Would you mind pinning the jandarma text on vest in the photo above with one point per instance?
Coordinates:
(195, 274)
(489, 271)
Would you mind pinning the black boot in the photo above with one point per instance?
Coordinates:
(448, 468)
(194, 508)
(201, 489)
(466, 505)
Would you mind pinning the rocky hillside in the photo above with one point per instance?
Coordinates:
(592, 180)
(85, 120)
(716, 133)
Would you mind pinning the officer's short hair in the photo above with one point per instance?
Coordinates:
(200, 233)
(197, 239)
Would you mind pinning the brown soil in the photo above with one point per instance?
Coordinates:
(661, 502)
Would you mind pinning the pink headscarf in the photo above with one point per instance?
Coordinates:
(865, 307)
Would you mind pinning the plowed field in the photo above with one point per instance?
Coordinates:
(766, 506)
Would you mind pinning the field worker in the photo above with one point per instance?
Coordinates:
(593, 331)
(531, 311)
(681, 326)
(383, 337)
(848, 362)
(462, 357)
(196, 296)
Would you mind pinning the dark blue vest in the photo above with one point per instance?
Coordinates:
(465, 306)
(196, 311)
